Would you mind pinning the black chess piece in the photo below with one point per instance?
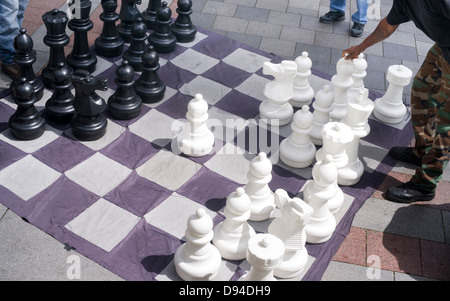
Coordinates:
(149, 86)
(89, 122)
(128, 14)
(25, 57)
(124, 104)
(26, 123)
(59, 106)
(109, 43)
(149, 14)
(137, 46)
(182, 28)
(81, 56)
(56, 38)
(162, 38)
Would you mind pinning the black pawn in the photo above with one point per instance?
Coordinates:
(124, 104)
(89, 122)
(109, 43)
(149, 86)
(81, 57)
(149, 15)
(56, 38)
(183, 28)
(128, 14)
(162, 38)
(137, 46)
(59, 106)
(26, 123)
(25, 57)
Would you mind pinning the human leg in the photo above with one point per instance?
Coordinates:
(359, 18)
(9, 29)
(336, 13)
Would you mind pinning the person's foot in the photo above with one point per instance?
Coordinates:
(357, 29)
(332, 16)
(405, 154)
(12, 70)
(408, 192)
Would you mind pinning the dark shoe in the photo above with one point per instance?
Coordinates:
(332, 16)
(12, 70)
(405, 154)
(357, 29)
(408, 193)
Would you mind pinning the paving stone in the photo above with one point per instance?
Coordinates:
(316, 53)
(400, 52)
(264, 29)
(328, 39)
(249, 39)
(296, 34)
(285, 49)
(242, 2)
(219, 8)
(380, 63)
(203, 20)
(252, 13)
(230, 24)
(286, 19)
(310, 22)
(339, 271)
(279, 5)
(402, 38)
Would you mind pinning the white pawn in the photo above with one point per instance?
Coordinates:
(276, 109)
(390, 108)
(290, 228)
(358, 112)
(262, 198)
(336, 136)
(196, 139)
(358, 76)
(342, 82)
(198, 259)
(264, 254)
(317, 193)
(303, 92)
(322, 107)
(231, 235)
(297, 150)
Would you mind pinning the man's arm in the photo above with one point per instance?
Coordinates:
(382, 32)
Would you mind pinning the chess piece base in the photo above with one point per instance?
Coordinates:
(92, 130)
(297, 156)
(232, 246)
(203, 268)
(27, 131)
(268, 113)
(293, 264)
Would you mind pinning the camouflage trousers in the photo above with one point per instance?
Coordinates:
(430, 116)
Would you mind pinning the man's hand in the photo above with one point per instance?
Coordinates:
(352, 52)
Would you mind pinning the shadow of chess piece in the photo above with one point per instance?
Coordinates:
(182, 28)
(59, 106)
(149, 14)
(89, 122)
(149, 86)
(162, 38)
(137, 47)
(26, 123)
(81, 57)
(124, 104)
(25, 57)
(109, 43)
(128, 14)
(56, 38)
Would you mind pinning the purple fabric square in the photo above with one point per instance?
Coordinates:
(255, 139)
(226, 75)
(9, 154)
(287, 180)
(216, 46)
(128, 122)
(173, 76)
(387, 136)
(5, 113)
(176, 106)
(239, 104)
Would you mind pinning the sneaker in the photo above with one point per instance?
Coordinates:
(405, 154)
(408, 193)
(332, 16)
(357, 29)
(12, 70)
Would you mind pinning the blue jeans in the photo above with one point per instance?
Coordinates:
(361, 14)
(11, 17)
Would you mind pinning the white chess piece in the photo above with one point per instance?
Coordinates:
(290, 228)
(358, 76)
(322, 107)
(264, 254)
(198, 259)
(276, 109)
(297, 150)
(358, 112)
(342, 82)
(231, 235)
(390, 108)
(262, 199)
(303, 92)
(196, 139)
(317, 193)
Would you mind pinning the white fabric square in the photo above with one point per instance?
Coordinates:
(168, 170)
(211, 91)
(224, 125)
(28, 177)
(172, 215)
(103, 224)
(30, 146)
(198, 37)
(194, 61)
(167, 94)
(101, 66)
(98, 174)
(254, 86)
(246, 60)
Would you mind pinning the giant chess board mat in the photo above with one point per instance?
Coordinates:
(124, 200)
